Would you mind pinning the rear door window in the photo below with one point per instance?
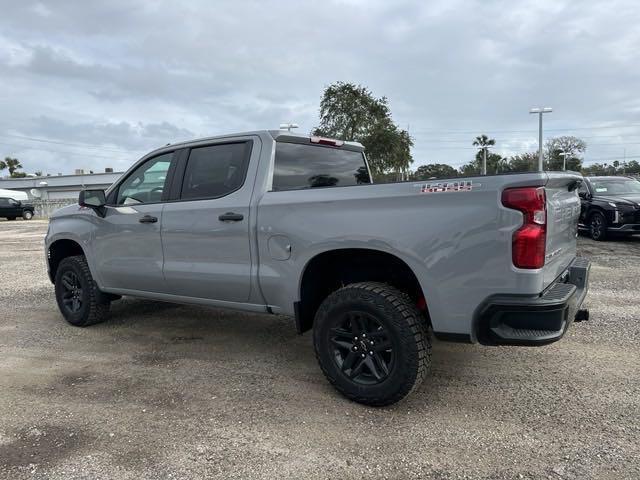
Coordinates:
(300, 166)
(215, 170)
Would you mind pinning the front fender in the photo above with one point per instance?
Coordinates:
(77, 224)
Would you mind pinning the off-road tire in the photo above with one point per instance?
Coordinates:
(396, 314)
(94, 305)
(27, 215)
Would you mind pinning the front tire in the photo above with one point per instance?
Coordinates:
(371, 343)
(79, 299)
(598, 226)
(27, 215)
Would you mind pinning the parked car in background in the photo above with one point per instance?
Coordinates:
(276, 222)
(609, 205)
(10, 208)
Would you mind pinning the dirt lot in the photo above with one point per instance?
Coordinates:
(167, 391)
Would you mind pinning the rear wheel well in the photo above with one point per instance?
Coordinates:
(329, 271)
(59, 250)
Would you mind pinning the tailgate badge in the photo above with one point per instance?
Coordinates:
(461, 186)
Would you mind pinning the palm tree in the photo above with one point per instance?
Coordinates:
(483, 141)
(12, 164)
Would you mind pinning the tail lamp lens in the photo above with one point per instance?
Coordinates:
(529, 241)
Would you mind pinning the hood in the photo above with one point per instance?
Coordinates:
(67, 211)
(630, 199)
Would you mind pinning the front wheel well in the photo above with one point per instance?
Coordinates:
(595, 210)
(58, 251)
(329, 271)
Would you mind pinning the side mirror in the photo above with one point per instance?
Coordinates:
(92, 198)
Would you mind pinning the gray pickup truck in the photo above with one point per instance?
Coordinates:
(279, 223)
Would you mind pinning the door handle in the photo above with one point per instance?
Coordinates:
(230, 217)
(148, 219)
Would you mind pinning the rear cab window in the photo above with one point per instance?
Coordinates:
(300, 166)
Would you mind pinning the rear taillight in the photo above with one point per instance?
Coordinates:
(529, 241)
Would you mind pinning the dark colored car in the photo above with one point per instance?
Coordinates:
(610, 205)
(12, 209)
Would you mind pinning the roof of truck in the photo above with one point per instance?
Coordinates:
(278, 135)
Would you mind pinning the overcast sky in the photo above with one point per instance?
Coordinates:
(103, 84)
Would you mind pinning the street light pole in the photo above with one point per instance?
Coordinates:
(484, 161)
(540, 111)
(484, 158)
(564, 159)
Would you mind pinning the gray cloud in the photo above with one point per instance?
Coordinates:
(129, 77)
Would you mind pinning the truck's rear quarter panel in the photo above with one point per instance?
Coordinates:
(458, 243)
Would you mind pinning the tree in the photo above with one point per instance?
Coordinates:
(12, 164)
(632, 167)
(351, 112)
(495, 162)
(484, 141)
(434, 170)
(594, 170)
(574, 147)
(525, 162)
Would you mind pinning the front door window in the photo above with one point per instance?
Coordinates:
(147, 183)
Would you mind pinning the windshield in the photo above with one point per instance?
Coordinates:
(622, 186)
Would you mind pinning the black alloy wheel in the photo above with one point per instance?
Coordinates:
(71, 292)
(363, 349)
(598, 226)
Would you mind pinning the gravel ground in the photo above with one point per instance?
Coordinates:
(168, 391)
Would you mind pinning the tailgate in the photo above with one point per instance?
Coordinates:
(563, 209)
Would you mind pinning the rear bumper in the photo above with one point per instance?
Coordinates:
(535, 320)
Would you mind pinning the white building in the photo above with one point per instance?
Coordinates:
(59, 187)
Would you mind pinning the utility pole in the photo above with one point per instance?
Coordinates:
(540, 111)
